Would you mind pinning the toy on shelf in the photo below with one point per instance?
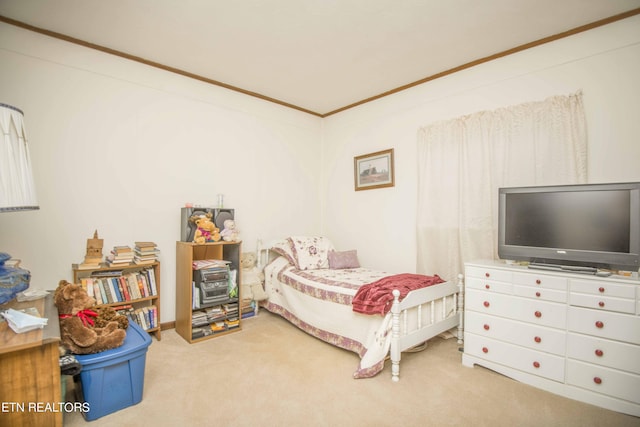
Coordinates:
(93, 257)
(230, 232)
(206, 230)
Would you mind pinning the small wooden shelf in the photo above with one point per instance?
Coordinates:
(137, 303)
(186, 254)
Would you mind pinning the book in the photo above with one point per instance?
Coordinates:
(145, 246)
(125, 288)
(139, 261)
(209, 263)
(118, 257)
(133, 286)
(96, 292)
(146, 250)
(152, 281)
(232, 323)
(118, 263)
(141, 286)
(115, 289)
(103, 293)
(248, 314)
(119, 290)
(218, 327)
(107, 273)
(87, 266)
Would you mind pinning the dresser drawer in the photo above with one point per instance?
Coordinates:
(621, 305)
(604, 324)
(541, 293)
(612, 354)
(523, 309)
(488, 285)
(540, 280)
(487, 273)
(524, 334)
(521, 358)
(604, 288)
(611, 382)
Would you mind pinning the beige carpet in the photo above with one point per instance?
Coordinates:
(272, 374)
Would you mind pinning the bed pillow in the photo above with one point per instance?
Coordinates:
(283, 248)
(310, 253)
(344, 259)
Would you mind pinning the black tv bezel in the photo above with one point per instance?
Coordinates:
(574, 257)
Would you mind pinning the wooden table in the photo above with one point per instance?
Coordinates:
(30, 393)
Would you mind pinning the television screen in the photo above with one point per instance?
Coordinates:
(594, 221)
(590, 225)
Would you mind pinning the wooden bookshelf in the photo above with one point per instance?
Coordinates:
(139, 304)
(186, 254)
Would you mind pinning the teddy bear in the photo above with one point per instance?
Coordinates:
(107, 314)
(206, 230)
(251, 278)
(229, 233)
(78, 331)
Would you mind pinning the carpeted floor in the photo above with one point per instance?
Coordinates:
(272, 374)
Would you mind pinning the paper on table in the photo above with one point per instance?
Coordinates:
(22, 322)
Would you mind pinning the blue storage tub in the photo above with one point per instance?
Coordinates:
(113, 379)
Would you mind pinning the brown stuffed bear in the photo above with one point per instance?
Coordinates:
(77, 322)
(206, 231)
(107, 314)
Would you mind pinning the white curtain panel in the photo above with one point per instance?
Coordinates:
(462, 163)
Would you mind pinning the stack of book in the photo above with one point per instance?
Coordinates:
(215, 314)
(231, 312)
(201, 332)
(199, 318)
(247, 308)
(232, 323)
(145, 253)
(120, 255)
(219, 326)
(230, 309)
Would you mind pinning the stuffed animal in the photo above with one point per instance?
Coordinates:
(229, 233)
(107, 314)
(206, 230)
(251, 278)
(77, 322)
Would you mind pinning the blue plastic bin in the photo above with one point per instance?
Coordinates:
(113, 379)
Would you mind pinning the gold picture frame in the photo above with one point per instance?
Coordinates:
(374, 170)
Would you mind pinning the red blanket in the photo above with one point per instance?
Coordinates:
(376, 297)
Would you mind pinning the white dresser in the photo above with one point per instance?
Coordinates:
(571, 334)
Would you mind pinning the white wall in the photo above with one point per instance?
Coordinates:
(604, 63)
(120, 147)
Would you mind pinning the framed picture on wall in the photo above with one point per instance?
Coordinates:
(374, 170)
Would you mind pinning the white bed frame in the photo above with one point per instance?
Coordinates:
(423, 304)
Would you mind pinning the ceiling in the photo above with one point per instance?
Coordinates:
(318, 56)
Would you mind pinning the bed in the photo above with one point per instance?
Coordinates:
(316, 289)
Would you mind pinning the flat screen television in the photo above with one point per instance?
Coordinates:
(588, 225)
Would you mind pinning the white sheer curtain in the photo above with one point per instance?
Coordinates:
(463, 162)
